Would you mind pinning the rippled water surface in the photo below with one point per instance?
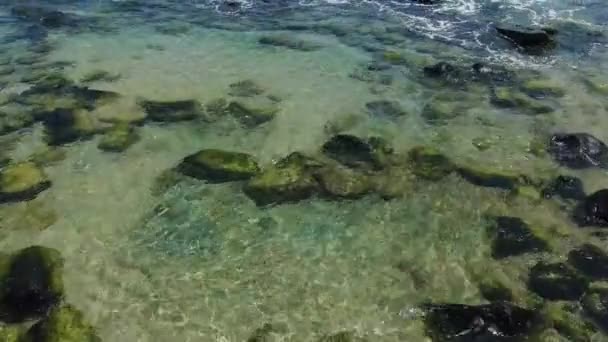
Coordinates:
(152, 253)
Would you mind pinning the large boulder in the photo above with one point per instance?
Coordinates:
(171, 111)
(22, 182)
(593, 210)
(526, 37)
(218, 166)
(63, 324)
(590, 260)
(290, 180)
(512, 237)
(429, 163)
(356, 152)
(566, 187)
(556, 281)
(32, 284)
(578, 150)
(498, 321)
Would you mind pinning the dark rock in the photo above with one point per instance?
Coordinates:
(495, 292)
(526, 37)
(595, 304)
(217, 166)
(439, 112)
(252, 114)
(355, 152)
(215, 109)
(65, 324)
(512, 237)
(289, 180)
(99, 76)
(428, 163)
(64, 126)
(44, 16)
(578, 150)
(593, 211)
(245, 88)
(566, 187)
(439, 70)
(482, 176)
(557, 282)
(385, 109)
(288, 41)
(22, 182)
(498, 321)
(171, 111)
(507, 97)
(33, 284)
(590, 260)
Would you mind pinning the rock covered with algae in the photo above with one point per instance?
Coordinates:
(63, 324)
(171, 111)
(429, 163)
(31, 283)
(557, 281)
(22, 182)
(252, 113)
(218, 166)
(512, 236)
(118, 138)
(356, 152)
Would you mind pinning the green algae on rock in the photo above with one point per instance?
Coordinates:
(290, 42)
(512, 236)
(263, 334)
(289, 180)
(429, 163)
(342, 182)
(218, 166)
(171, 111)
(542, 88)
(252, 113)
(22, 182)
(63, 324)
(356, 152)
(564, 318)
(99, 76)
(245, 88)
(11, 333)
(508, 98)
(489, 177)
(15, 121)
(118, 138)
(595, 304)
(64, 126)
(439, 112)
(47, 156)
(32, 284)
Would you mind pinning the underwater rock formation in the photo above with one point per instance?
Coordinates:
(218, 166)
(22, 182)
(540, 88)
(385, 109)
(171, 111)
(64, 126)
(342, 182)
(290, 42)
(512, 236)
(498, 321)
(252, 113)
(526, 37)
(245, 88)
(482, 176)
(565, 187)
(556, 281)
(590, 260)
(44, 16)
(578, 150)
(506, 97)
(595, 304)
(429, 163)
(32, 284)
(593, 210)
(118, 138)
(63, 324)
(356, 152)
(99, 76)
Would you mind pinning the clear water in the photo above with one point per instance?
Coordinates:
(201, 262)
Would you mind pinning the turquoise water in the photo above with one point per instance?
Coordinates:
(154, 255)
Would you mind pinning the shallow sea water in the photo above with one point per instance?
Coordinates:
(202, 262)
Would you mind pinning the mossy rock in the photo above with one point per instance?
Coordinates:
(64, 126)
(596, 85)
(171, 111)
(119, 138)
(439, 112)
(252, 114)
(11, 122)
(215, 109)
(22, 182)
(429, 163)
(165, 181)
(218, 166)
(563, 318)
(542, 88)
(290, 180)
(527, 193)
(245, 88)
(393, 57)
(488, 177)
(33, 284)
(63, 324)
(99, 76)
(505, 97)
(11, 333)
(342, 124)
(48, 156)
(290, 42)
(356, 152)
(342, 182)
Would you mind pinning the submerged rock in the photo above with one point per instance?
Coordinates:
(428, 163)
(289, 41)
(22, 182)
(99, 76)
(289, 180)
(356, 152)
(33, 284)
(217, 166)
(47, 156)
(595, 304)
(566, 187)
(44, 16)
(506, 97)
(119, 138)
(63, 324)
(263, 334)
(512, 237)
(64, 126)
(342, 182)
(498, 321)
(11, 333)
(593, 211)
(578, 150)
(542, 88)
(481, 176)
(385, 109)
(564, 319)
(526, 37)
(12, 122)
(252, 113)
(6, 70)
(439, 70)
(556, 282)
(590, 260)
(439, 112)
(245, 88)
(215, 109)
(171, 111)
